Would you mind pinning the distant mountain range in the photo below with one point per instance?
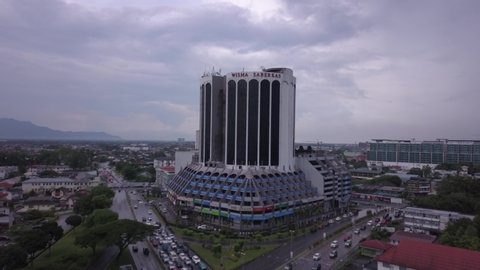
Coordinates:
(23, 130)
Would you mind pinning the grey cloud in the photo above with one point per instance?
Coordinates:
(363, 69)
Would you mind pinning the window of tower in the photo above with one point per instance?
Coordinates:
(275, 125)
(264, 122)
(241, 122)
(202, 116)
(252, 122)
(231, 105)
(208, 112)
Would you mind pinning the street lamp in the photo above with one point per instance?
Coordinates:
(291, 238)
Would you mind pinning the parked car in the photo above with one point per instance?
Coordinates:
(333, 254)
(196, 259)
(316, 256)
(357, 231)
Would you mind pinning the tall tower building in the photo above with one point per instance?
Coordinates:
(246, 177)
(252, 114)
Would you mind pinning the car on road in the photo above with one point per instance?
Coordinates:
(134, 248)
(333, 254)
(316, 256)
(334, 244)
(146, 251)
(288, 267)
(149, 212)
(135, 206)
(338, 219)
(370, 222)
(317, 267)
(348, 243)
(202, 227)
(331, 221)
(357, 231)
(363, 228)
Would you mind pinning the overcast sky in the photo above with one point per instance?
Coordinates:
(365, 69)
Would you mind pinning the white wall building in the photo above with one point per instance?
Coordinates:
(40, 185)
(430, 219)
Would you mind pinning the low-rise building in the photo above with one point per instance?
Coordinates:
(372, 248)
(5, 171)
(41, 203)
(412, 254)
(418, 187)
(6, 218)
(37, 169)
(399, 236)
(164, 175)
(429, 219)
(365, 173)
(42, 185)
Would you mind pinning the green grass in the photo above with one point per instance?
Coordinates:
(228, 258)
(126, 258)
(64, 255)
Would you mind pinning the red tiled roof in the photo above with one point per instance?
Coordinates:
(375, 244)
(6, 185)
(400, 236)
(169, 169)
(420, 255)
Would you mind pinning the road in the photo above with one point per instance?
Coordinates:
(281, 256)
(306, 261)
(121, 206)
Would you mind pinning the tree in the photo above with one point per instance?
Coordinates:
(91, 237)
(100, 216)
(52, 229)
(427, 171)
(102, 190)
(416, 171)
(73, 220)
(83, 206)
(124, 232)
(32, 241)
(12, 257)
(100, 197)
(100, 202)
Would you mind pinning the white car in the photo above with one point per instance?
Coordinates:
(316, 256)
(334, 244)
(196, 259)
(369, 223)
(338, 219)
